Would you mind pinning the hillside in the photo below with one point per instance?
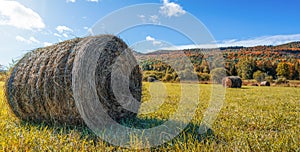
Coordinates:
(293, 47)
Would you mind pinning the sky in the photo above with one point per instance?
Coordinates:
(147, 25)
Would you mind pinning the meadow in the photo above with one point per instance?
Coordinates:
(251, 119)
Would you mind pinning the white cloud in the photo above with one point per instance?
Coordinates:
(47, 44)
(264, 40)
(154, 19)
(90, 31)
(170, 9)
(21, 39)
(34, 40)
(57, 35)
(156, 43)
(141, 16)
(13, 13)
(92, 0)
(62, 29)
(153, 40)
(73, 1)
(70, 1)
(31, 40)
(150, 18)
(192, 46)
(65, 35)
(149, 38)
(86, 28)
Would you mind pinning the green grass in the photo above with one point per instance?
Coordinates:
(252, 119)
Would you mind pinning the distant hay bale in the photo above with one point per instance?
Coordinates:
(40, 89)
(265, 83)
(232, 82)
(253, 84)
(151, 79)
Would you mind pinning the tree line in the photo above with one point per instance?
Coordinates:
(260, 63)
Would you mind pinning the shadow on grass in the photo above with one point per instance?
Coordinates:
(191, 132)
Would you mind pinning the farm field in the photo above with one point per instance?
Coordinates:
(252, 119)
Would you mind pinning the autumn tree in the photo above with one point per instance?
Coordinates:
(294, 70)
(297, 70)
(283, 70)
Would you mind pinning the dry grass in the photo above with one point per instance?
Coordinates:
(252, 119)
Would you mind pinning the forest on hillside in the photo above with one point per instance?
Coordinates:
(263, 63)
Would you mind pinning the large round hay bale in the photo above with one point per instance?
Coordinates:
(40, 85)
(265, 83)
(232, 82)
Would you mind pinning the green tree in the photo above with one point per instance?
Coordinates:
(218, 74)
(297, 69)
(259, 76)
(204, 67)
(218, 62)
(246, 67)
(233, 71)
(283, 70)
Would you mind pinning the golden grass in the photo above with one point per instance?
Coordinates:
(252, 119)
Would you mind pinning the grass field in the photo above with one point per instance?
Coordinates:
(252, 119)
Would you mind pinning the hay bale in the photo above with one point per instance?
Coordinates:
(253, 84)
(40, 89)
(265, 83)
(151, 79)
(232, 82)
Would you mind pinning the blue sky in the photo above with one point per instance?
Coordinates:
(28, 24)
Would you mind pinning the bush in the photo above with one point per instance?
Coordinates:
(269, 79)
(203, 76)
(187, 75)
(155, 74)
(259, 76)
(145, 78)
(282, 80)
(168, 78)
(3, 77)
(161, 76)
